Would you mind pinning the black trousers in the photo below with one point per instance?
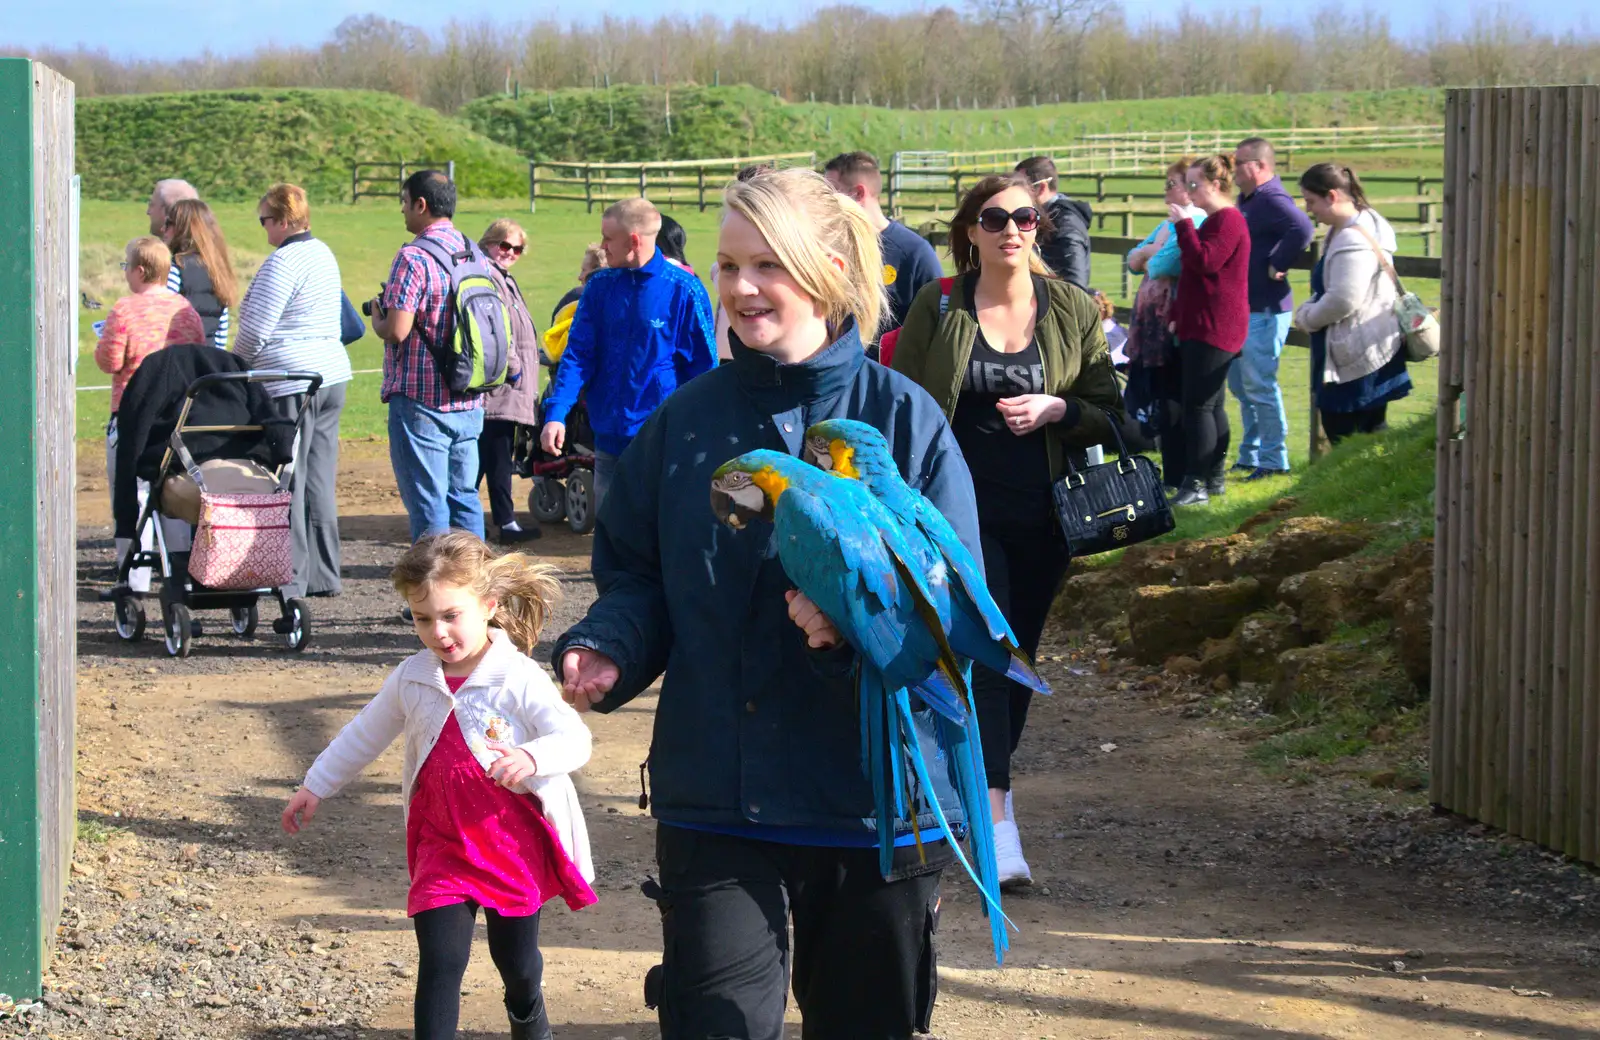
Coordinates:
(1024, 566)
(1168, 387)
(494, 464)
(863, 961)
(1205, 414)
(1339, 425)
(444, 944)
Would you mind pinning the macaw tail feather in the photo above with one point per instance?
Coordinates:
(986, 880)
(878, 755)
(963, 750)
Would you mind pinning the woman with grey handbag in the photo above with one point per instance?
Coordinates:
(1358, 356)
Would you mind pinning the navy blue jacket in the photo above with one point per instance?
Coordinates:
(1279, 233)
(638, 334)
(752, 726)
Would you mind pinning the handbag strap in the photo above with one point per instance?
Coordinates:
(1116, 432)
(1383, 258)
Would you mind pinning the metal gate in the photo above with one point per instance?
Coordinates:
(916, 171)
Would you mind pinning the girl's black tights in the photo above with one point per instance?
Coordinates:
(444, 943)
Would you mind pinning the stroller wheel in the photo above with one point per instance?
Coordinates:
(547, 500)
(130, 618)
(580, 501)
(178, 627)
(296, 625)
(245, 620)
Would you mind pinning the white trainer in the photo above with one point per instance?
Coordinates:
(1010, 817)
(1014, 872)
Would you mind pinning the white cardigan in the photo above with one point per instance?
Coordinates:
(1357, 302)
(506, 686)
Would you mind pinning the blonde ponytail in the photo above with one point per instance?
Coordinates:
(809, 226)
(523, 589)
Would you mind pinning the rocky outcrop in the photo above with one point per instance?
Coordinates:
(1260, 639)
(1167, 621)
(1300, 544)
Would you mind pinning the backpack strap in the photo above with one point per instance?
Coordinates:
(441, 255)
(946, 285)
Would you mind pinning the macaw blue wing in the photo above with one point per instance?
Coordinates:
(978, 629)
(855, 571)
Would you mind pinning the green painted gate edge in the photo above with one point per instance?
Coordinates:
(22, 928)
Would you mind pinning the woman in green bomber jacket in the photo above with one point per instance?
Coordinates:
(1018, 360)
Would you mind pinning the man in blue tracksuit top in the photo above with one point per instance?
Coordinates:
(1279, 233)
(643, 328)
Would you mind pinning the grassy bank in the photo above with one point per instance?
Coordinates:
(233, 144)
(629, 123)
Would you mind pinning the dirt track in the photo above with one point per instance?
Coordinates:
(1179, 892)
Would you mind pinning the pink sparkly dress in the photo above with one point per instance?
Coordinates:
(470, 840)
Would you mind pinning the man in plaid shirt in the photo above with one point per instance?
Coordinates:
(433, 432)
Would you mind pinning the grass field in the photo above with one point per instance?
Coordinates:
(364, 237)
(628, 123)
(231, 144)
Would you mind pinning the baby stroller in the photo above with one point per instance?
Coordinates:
(225, 468)
(563, 485)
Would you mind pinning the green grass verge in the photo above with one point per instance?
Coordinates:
(364, 237)
(234, 144)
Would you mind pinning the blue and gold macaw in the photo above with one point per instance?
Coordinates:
(977, 629)
(846, 553)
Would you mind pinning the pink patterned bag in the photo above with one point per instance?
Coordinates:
(243, 542)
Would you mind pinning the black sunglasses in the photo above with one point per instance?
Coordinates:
(263, 220)
(994, 219)
(513, 249)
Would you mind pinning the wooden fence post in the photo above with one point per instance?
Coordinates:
(38, 324)
(355, 182)
(1100, 196)
(1317, 446)
(450, 170)
(1127, 232)
(700, 178)
(641, 181)
(588, 190)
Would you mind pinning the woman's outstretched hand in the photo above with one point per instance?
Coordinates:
(301, 808)
(587, 676)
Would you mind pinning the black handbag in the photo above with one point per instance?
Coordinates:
(1112, 505)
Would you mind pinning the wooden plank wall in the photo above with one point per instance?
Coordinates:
(37, 516)
(1516, 699)
(55, 459)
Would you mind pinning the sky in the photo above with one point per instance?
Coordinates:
(184, 28)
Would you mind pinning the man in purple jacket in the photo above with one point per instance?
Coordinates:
(1279, 233)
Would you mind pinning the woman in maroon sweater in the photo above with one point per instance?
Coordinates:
(1211, 317)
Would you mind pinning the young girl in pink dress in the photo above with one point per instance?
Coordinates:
(492, 818)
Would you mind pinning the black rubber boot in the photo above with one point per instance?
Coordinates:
(1217, 482)
(534, 1026)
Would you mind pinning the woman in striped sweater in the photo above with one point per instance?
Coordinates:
(289, 319)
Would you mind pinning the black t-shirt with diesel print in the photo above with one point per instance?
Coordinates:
(1010, 473)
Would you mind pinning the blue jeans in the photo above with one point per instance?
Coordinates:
(1254, 381)
(605, 468)
(435, 460)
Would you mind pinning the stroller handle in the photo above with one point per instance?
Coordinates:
(256, 376)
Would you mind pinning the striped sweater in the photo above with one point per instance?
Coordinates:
(289, 317)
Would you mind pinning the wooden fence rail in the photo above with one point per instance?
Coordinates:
(670, 183)
(1516, 596)
(387, 178)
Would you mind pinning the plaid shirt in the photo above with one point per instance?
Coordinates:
(417, 284)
